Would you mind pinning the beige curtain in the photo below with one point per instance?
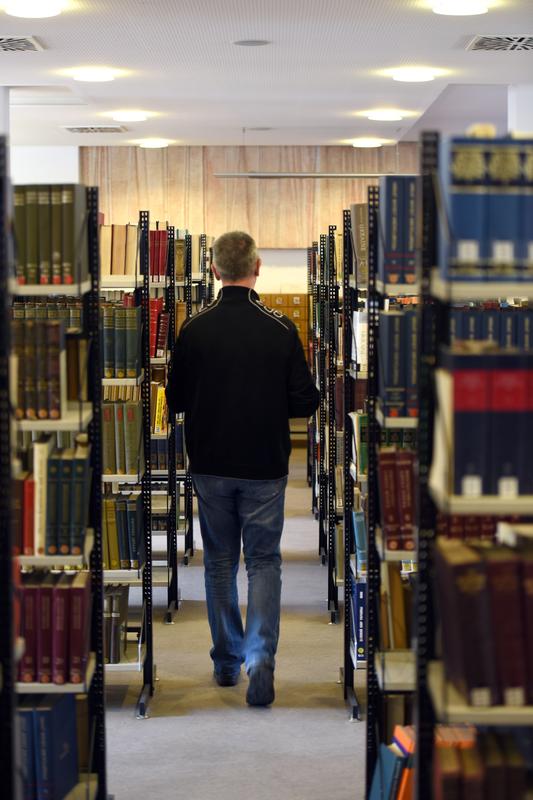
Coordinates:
(178, 185)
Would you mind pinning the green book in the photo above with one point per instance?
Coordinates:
(112, 534)
(52, 505)
(81, 492)
(120, 342)
(64, 500)
(133, 338)
(109, 466)
(122, 530)
(108, 340)
(120, 450)
(32, 233)
(56, 231)
(75, 253)
(132, 435)
(45, 234)
(19, 201)
(105, 537)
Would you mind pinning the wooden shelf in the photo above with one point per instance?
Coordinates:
(49, 289)
(395, 670)
(120, 283)
(395, 422)
(392, 555)
(160, 361)
(135, 664)
(51, 562)
(451, 707)
(60, 688)
(398, 289)
(77, 418)
(133, 577)
(478, 290)
(124, 381)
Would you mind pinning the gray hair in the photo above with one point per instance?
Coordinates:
(235, 256)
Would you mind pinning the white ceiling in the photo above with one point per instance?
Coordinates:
(320, 68)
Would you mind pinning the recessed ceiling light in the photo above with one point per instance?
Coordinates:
(252, 42)
(129, 116)
(369, 141)
(414, 74)
(94, 74)
(459, 8)
(34, 9)
(153, 144)
(384, 115)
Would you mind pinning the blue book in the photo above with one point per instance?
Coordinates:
(390, 229)
(64, 500)
(504, 204)
(524, 329)
(490, 325)
(410, 229)
(472, 324)
(392, 363)
(134, 516)
(56, 746)
(526, 212)
(387, 773)
(509, 328)
(462, 205)
(411, 348)
(52, 504)
(361, 546)
(360, 619)
(457, 318)
(25, 713)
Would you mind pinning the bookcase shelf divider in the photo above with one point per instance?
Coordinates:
(172, 540)
(331, 338)
(313, 293)
(322, 387)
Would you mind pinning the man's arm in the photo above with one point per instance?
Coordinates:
(304, 397)
(177, 378)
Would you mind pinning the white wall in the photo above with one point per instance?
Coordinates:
(44, 164)
(283, 271)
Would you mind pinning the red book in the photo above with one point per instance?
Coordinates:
(163, 253)
(472, 527)
(388, 491)
(162, 333)
(153, 262)
(526, 559)
(28, 662)
(27, 531)
(44, 628)
(17, 512)
(503, 574)
(442, 524)
(156, 304)
(60, 625)
(456, 526)
(487, 527)
(405, 467)
(80, 625)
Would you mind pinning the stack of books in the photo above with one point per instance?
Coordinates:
(121, 338)
(68, 309)
(122, 431)
(51, 234)
(508, 326)
(158, 255)
(122, 525)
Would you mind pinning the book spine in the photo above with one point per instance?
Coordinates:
(361, 547)
(109, 465)
(360, 619)
(19, 202)
(41, 369)
(122, 532)
(471, 398)
(120, 448)
(43, 745)
(40, 471)
(410, 230)
(78, 649)
(57, 233)
(526, 577)
(159, 421)
(162, 334)
(410, 323)
(44, 632)
(45, 231)
(508, 329)
(153, 254)
(68, 253)
(405, 481)
(154, 311)
(17, 514)
(526, 214)
(132, 437)
(108, 340)
(163, 254)
(133, 533)
(28, 516)
(133, 332)
(32, 231)
(28, 662)
(80, 489)
(392, 364)
(508, 410)
(112, 533)
(64, 503)
(490, 326)
(387, 499)
(30, 369)
(60, 617)
(55, 343)
(54, 462)
(120, 341)
(503, 201)
(17, 344)
(27, 750)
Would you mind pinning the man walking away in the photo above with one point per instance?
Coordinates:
(239, 373)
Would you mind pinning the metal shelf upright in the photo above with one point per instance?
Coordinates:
(315, 344)
(331, 309)
(322, 387)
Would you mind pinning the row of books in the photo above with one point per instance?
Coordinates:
(485, 598)
(49, 752)
(397, 229)
(39, 346)
(122, 433)
(50, 234)
(486, 222)
(68, 309)
(397, 480)
(159, 451)
(359, 226)
(483, 423)
(122, 525)
(398, 362)
(506, 326)
(159, 327)
(119, 250)
(51, 499)
(56, 625)
(121, 338)
(395, 607)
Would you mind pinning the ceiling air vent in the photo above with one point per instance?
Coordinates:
(493, 43)
(19, 44)
(95, 128)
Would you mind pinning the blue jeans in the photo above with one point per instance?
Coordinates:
(229, 508)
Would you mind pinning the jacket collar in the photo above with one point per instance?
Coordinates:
(237, 293)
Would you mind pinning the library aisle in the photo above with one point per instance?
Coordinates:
(202, 742)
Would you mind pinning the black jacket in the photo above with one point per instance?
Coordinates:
(239, 373)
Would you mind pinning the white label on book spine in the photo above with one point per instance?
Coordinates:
(508, 487)
(503, 252)
(471, 485)
(468, 250)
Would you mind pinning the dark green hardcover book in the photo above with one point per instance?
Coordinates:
(52, 505)
(55, 343)
(45, 234)
(81, 492)
(133, 336)
(122, 529)
(120, 450)
(74, 256)
(132, 436)
(120, 342)
(64, 500)
(19, 201)
(109, 466)
(135, 530)
(30, 394)
(32, 232)
(108, 340)
(56, 232)
(41, 368)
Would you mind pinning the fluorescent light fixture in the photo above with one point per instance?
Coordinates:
(94, 74)
(414, 74)
(153, 143)
(129, 116)
(369, 141)
(384, 115)
(252, 42)
(34, 9)
(459, 8)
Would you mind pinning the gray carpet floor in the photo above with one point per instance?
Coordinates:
(203, 742)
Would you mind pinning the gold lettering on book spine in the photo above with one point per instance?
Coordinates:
(468, 164)
(504, 164)
(471, 582)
